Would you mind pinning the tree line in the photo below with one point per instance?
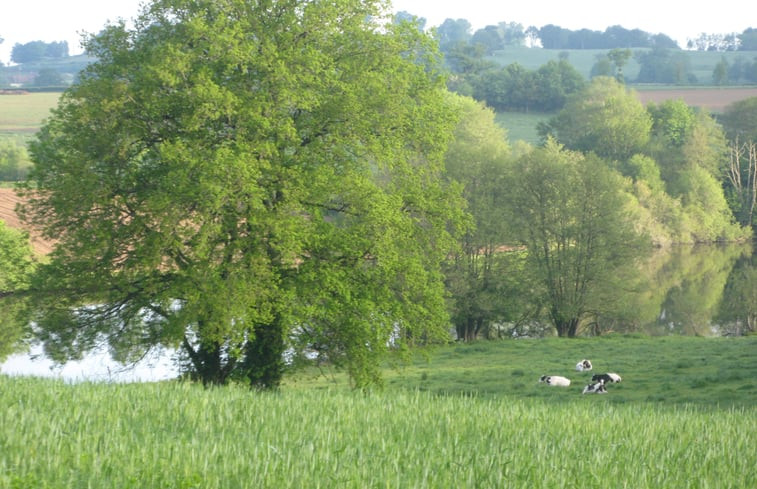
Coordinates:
(34, 51)
(316, 193)
(495, 37)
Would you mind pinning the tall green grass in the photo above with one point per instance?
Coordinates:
(685, 415)
(173, 435)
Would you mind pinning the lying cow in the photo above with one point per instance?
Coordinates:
(583, 365)
(606, 378)
(555, 380)
(595, 388)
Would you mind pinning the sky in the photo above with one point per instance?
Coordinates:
(22, 21)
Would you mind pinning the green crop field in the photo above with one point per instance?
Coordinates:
(469, 416)
(22, 115)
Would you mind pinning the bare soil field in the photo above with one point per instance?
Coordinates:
(8, 201)
(712, 99)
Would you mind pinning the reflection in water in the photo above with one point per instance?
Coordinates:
(96, 366)
(690, 290)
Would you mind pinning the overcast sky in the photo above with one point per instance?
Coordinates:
(22, 21)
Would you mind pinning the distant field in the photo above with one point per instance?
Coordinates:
(24, 113)
(712, 99)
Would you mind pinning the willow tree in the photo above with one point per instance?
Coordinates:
(572, 214)
(235, 178)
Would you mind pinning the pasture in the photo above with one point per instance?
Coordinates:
(468, 416)
(22, 114)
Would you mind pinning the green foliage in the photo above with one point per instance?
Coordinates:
(14, 161)
(673, 120)
(569, 210)
(662, 65)
(740, 120)
(720, 73)
(16, 266)
(48, 77)
(477, 276)
(207, 186)
(516, 88)
(675, 155)
(604, 118)
(37, 50)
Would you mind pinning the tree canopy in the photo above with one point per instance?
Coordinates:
(571, 212)
(239, 179)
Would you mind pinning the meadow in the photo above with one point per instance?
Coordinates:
(23, 114)
(461, 432)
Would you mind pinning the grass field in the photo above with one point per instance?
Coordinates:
(706, 372)
(24, 113)
(474, 416)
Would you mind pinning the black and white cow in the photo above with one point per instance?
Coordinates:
(606, 378)
(595, 388)
(583, 365)
(555, 380)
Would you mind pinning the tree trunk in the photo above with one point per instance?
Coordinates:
(567, 328)
(264, 361)
(207, 363)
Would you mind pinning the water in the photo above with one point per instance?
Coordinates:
(97, 366)
(687, 290)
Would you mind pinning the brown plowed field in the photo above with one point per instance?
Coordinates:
(8, 201)
(712, 99)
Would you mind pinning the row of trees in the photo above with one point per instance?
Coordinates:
(453, 32)
(737, 71)
(746, 41)
(611, 175)
(515, 88)
(38, 50)
(318, 197)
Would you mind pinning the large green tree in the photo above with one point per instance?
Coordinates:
(571, 212)
(236, 178)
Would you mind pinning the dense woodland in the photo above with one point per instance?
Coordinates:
(343, 195)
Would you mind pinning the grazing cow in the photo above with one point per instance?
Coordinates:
(606, 378)
(595, 388)
(583, 365)
(555, 380)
